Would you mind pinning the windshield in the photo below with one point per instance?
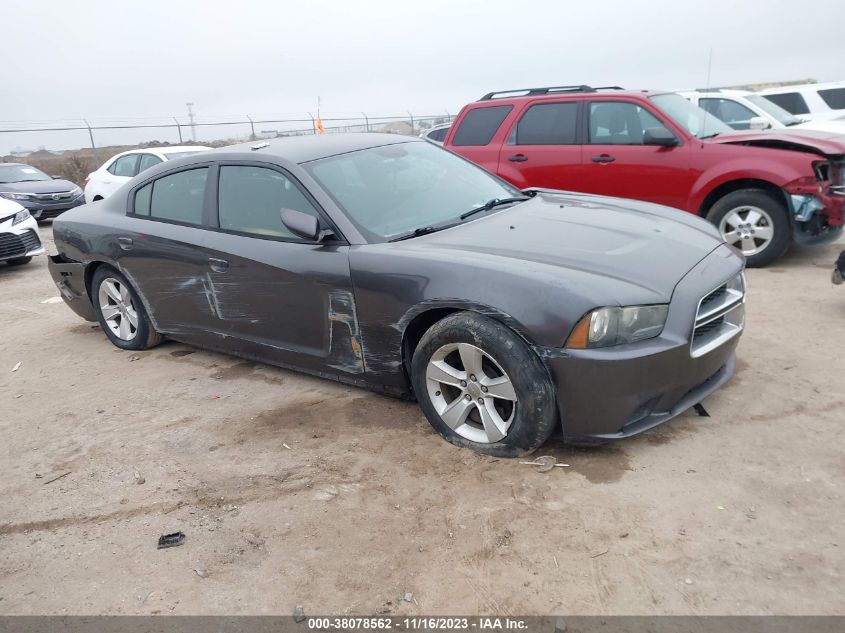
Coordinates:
(21, 173)
(391, 190)
(696, 121)
(774, 110)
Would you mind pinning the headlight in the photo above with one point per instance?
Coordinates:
(20, 216)
(76, 191)
(604, 327)
(11, 195)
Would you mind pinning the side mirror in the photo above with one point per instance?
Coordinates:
(659, 136)
(758, 123)
(301, 224)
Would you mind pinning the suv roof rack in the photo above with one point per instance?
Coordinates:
(533, 92)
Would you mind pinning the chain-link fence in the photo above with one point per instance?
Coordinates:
(98, 133)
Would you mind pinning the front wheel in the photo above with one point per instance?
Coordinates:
(755, 222)
(120, 312)
(482, 387)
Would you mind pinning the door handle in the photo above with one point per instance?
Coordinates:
(518, 158)
(218, 265)
(603, 158)
(125, 243)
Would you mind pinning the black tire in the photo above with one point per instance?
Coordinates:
(534, 414)
(772, 206)
(19, 261)
(144, 336)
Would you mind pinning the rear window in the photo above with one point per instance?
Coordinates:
(834, 97)
(177, 197)
(792, 102)
(480, 124)
(548, 124)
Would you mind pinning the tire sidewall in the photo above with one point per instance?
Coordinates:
(536, 412)
(144, 334)
(777, 211)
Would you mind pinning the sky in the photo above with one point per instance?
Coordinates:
(111, 61)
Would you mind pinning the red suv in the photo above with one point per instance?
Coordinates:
(763, 189)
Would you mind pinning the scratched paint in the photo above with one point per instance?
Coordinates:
(346, 351)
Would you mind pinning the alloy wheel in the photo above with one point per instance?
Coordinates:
(748, 228)
(471, 392)
(118, 309)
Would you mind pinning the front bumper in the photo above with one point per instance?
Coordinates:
(69, 277)
(612, 393)
(43, 209)
(21, 240)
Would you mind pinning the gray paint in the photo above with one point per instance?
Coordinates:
(340, 309)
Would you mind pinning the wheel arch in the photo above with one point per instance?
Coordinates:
(737, 184)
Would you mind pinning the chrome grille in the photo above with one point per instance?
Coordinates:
(720, 317)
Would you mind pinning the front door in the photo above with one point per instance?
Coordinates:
(277, 297)
(617, 163)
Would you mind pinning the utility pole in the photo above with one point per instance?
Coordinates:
(191, 121)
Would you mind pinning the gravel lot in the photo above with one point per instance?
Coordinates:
(297, 491)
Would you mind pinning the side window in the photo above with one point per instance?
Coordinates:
(792, 102)
(548, 124)
(834, 98)
(250, 200)
(125, 166)
(147, 161)
(480, 124)
(619, 123)
(439, 135)
(142, 199)
(178, 197)
(734, 114)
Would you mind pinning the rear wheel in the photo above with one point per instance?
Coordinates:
(482, 387)
(755, 222)
(19, 261)
(120, 312)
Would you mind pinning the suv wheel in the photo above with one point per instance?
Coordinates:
(482, 387)
(120, 312)
(756, 223)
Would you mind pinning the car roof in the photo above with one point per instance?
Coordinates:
(715, 92)
(168, 149)
(585, 92)
(302, 149)
(800, 87)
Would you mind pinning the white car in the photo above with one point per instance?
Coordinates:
(120, 168)
(817, 101)
(437, 133)
(744, 110)
(19, 241)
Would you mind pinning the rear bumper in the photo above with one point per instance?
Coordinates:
(613, 393)
(69, 278)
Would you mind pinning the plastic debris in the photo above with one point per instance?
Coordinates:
(17, 366)
(298, 613)
(52, 300)
(545, 463)
(171, 540)
(201, 573)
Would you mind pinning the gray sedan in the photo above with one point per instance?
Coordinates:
(392, 264)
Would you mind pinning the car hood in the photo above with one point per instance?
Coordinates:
(38, 186)
(641, 244)
(824, 143)
(8, 207)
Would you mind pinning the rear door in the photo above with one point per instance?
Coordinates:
(119, 173)
(477, 136)
(276, 296)
(543, 147)
(617, 163)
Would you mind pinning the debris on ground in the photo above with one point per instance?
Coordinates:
(408, 598)
(602, 553)
(688, 581)
(49, 481)
(298, 613)
(133, 358)
(623, 535)
(286, 446)
(701, 411)
(720, 508)
(139, 479)
(17, 366)
(201, 573)
(52, 300)
(171, 540)
(544, 464)
(504, 539)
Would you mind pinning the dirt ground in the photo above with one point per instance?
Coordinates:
(297, 491)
